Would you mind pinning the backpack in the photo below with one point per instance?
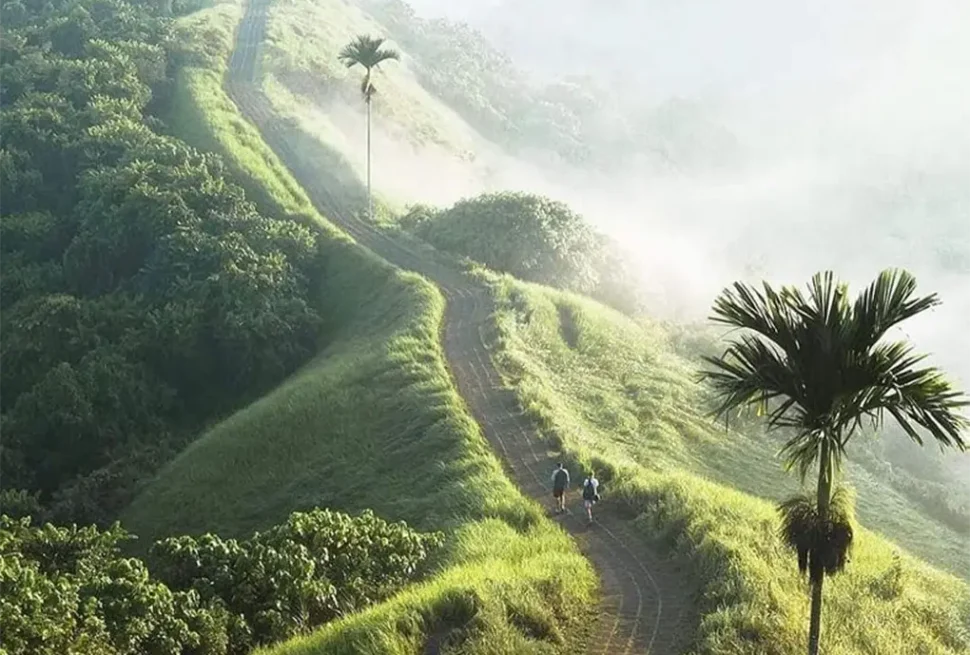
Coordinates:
(589, 492)
(560, 478)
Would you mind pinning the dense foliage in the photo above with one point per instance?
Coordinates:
(142, 295)
(317, 565)
(71, 590)
(534, 238)
(529, 236)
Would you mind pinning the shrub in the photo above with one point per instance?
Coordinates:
(298, 575)
(70, 590)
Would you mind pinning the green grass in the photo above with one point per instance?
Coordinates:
(305, 58)
(371, 422)
(616, 396)
(613, 393)
(418, 142)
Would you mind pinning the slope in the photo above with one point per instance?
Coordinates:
(372, 422)
(423, 129)
(648, 604)
(413, 101)
(618, 396)
(741, 611)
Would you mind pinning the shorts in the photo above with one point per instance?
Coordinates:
(588, 502)
(557, 492)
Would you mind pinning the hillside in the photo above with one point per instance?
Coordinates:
(388, 376)
(712, 458)
(627, 389)
(362, 417)
(407, 101)
(619, 395)
(371, 423)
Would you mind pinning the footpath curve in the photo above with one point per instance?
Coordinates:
(647, 603)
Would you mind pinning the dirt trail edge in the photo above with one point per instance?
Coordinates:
(647, 601)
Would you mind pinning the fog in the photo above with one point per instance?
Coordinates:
(843, 142)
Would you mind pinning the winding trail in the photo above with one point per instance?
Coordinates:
(648, 603)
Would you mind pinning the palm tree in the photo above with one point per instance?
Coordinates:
(368, 52)
(818, 367)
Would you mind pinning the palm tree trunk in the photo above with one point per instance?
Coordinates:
(370, 195)
(825, 473)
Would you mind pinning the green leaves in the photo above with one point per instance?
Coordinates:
(297, 575)
(71, 590)
(531, 237)
(818, 364)
(142, 294)
(366, 51)
(369, 52)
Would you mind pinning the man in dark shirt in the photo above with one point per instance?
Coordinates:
(560, 480)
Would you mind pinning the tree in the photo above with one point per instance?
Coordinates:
(820, 366)
(369, 52)
(532, 237)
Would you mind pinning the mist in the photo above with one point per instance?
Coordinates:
(841, 130)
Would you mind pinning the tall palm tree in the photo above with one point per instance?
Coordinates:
(818, 367)
(369, 52)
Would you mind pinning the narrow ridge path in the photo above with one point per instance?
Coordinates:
(647, 601)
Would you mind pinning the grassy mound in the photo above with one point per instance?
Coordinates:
(372, 422)
(600, 383)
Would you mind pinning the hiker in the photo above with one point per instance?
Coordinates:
(560, 480)
(590, 494)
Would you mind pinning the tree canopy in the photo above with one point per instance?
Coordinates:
(71, 589)
(142, 294)
(369, 52)
(536, 239)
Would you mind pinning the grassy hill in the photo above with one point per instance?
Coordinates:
(320, 97)
(618, 396)
(372, 422)
(337, 432)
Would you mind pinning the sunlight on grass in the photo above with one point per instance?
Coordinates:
(618, 397)
(371, 422)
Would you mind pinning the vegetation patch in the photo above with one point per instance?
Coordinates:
(371, 423)
(533, 238)
(143, 296)
(626, 403)
(72, 590)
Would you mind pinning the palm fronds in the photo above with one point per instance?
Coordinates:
(366, 51)
(369, 52)
(821, 545)
(817, 364)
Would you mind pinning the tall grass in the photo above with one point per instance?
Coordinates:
(371, 422)
(618, 398)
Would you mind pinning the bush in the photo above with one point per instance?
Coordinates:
(69, 589)
(298, 575)
(18, 503)
(529, 236)
(535, 239)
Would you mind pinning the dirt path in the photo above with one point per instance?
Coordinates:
(648, 603)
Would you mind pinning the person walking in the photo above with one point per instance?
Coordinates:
(590, 494)
(560, 480)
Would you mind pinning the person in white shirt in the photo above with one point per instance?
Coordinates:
(590, 494)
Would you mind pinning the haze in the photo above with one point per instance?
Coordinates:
(848, 140)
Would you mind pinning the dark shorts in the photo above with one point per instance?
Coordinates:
(558, 492)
